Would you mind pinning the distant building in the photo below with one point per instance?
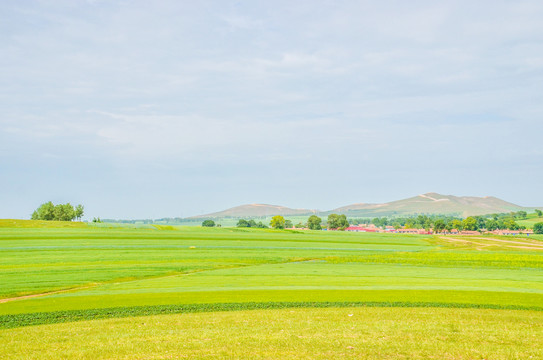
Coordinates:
(469, 232)
(361, 229)
(413, 231)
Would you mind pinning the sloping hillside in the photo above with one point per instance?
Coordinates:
(432, 203)
(254, 210)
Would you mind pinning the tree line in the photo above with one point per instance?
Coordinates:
(439, 223)
(61, 212)
(335, 222)
(504, 221)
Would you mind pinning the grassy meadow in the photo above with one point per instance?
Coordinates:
(174, 292)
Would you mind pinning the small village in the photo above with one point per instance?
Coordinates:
(371, 228)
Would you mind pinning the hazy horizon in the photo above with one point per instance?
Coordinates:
(141, 109)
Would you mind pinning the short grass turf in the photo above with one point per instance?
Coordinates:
(130, 270)
(325, 333)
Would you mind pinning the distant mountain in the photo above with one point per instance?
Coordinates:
(430, 203)
(254, 210)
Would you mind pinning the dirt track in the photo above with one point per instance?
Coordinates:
(480, 246)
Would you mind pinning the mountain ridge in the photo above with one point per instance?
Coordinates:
(428, 203)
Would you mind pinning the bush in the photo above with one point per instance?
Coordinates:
(208, 223)
(538, 228)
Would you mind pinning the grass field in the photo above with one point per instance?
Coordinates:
(189, 281)
(531, 220)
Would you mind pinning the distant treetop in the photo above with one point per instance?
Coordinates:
(61, 212)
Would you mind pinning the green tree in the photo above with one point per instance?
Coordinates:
(538, 228)
(439, 226)
(336, 221)
(242, 223)
(314, 222)
(511, 224)
(79, 211)
(344, 223)
(491, 225)
(458, 225)
(277, 222)
(46, 211)
(208, 223)
(64, 212)
(539, 213)
(333, 221)
(288, 224)
(470, 223)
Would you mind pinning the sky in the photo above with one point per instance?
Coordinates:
(150, 109)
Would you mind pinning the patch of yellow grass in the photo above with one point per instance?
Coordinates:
(18, 223)
(332, 333)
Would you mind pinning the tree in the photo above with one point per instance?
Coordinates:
(538, 228)
(333, 221)
(64, 212)
(208, 223)
(510, 224)
(242, 223)
(61, 212)
(439, 226)
(491, 225)
(458, 225)
(79, 210)
(277, 222)
(539, 213)
(46, 211)
(470, 223)
(336, 221)
(288, 224)
(343, 222)
(314, 222)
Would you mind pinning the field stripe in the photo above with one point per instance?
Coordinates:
(43, 318)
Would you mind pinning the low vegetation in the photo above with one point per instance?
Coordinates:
(294, 333)
(53, 277)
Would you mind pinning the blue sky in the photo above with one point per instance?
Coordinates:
(148, 109)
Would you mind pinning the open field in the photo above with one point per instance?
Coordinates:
(98, 280)
(530, 221)
(332, 333)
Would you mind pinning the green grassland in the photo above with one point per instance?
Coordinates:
(103, 277)
(531, 220)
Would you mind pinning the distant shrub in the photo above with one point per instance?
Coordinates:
(208, 223)
(538, 228)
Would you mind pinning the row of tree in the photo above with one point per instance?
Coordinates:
(251, 223)
(314, 222)
(60, 212)
(439, 223)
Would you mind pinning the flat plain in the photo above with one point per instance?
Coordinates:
(167, 292)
